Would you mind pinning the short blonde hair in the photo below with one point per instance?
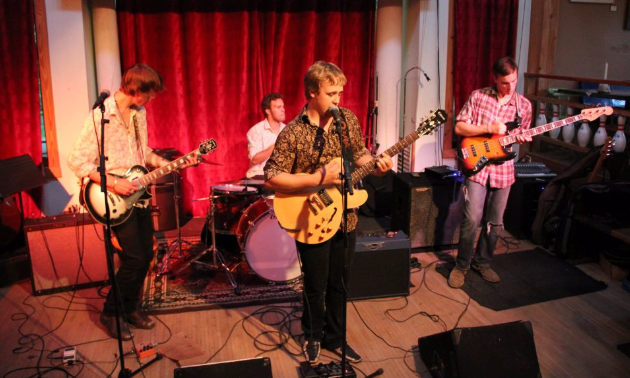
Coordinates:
(322, 73)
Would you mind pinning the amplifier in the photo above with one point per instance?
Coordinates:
(380, 267)
(67, 252)
(428, 209)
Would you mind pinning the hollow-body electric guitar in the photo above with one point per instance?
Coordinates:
(121, 207)
(315, 216)
(475, 152)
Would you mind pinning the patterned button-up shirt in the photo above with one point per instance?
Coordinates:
(303, 147)
(121, 145)
(482, 108)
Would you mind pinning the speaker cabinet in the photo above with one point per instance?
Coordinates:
(255, 367)
(496, 351)
(522, 205)
(163, 205)
(428, 209)
(67, 252)
(380, 267)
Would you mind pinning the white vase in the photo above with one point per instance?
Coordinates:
(584, 134)
(600, 135)
(619, 139)
(568, 130)
(554, 133)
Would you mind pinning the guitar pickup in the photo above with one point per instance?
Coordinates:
(312, 201)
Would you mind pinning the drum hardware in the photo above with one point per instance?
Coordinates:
(218, 260)
(176, 245)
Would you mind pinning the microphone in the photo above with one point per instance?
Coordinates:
(101, 99)
(334, 111)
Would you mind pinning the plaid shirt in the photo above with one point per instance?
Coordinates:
(482, 108)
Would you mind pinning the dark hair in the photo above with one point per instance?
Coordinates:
(266, 101)
(322, 72)
(504, 66)
(141, 78)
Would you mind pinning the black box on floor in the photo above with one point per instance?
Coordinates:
(254, 367)
(380, 267)
(522, 205)
(495, 351)
(428, 209)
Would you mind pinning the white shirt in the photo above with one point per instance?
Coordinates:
(259, 138)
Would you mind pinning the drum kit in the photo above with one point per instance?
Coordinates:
(241, 228)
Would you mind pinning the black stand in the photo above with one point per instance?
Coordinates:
(109, 249)
(346, 189)
(217, 256)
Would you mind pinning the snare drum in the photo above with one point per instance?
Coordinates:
(229, 202)
(270, 251)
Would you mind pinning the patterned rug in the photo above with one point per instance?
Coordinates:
(192, 281)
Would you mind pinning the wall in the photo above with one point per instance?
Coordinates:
(589, 35)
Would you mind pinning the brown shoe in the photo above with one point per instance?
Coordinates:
(139, 319)
(110, 325)
(487, 273)
(457, 277)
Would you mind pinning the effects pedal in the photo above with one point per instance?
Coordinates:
(143, 351)
(69, 356)
(329, 370)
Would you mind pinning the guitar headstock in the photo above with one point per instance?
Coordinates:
(432, 121)
(593, 113)
(207, 146)
(606, 147)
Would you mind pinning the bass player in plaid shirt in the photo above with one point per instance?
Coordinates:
(486, 113)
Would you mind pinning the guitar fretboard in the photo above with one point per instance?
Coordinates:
(511, 139)
(162, 171)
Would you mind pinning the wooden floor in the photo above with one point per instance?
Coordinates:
(574, 337)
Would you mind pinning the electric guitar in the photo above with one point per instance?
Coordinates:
(314, 216)
(121, 207)
(475, 152)
(603, 154)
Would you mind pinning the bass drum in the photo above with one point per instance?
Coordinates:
(270, 251)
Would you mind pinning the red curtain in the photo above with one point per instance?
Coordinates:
(485, 30)
(219, 58)
(20, 125)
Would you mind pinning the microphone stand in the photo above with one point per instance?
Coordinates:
(109, 251)
(346, 188)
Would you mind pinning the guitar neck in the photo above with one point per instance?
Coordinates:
(511, 139)
(394, 150)
(162, 171)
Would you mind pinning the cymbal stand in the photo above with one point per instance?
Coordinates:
(217, 256)
(176, 245)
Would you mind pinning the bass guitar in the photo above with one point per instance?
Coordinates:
(475, 152)
(315, 216)
(121, 207)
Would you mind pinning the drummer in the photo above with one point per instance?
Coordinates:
(261, 138)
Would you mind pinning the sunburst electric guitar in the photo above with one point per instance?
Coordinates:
(315, 216)
(121, 207)
(475, 152)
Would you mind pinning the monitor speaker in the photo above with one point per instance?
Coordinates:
(254, 367)
(67, 252)
(496, 351)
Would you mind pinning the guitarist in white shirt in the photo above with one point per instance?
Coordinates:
(302, 160)
(125, 146)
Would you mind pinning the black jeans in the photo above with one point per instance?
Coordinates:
(322, 266)
(135, 237)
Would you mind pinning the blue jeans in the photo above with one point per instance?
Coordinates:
(477, 198)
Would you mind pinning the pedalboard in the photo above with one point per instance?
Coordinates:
(329, 370)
